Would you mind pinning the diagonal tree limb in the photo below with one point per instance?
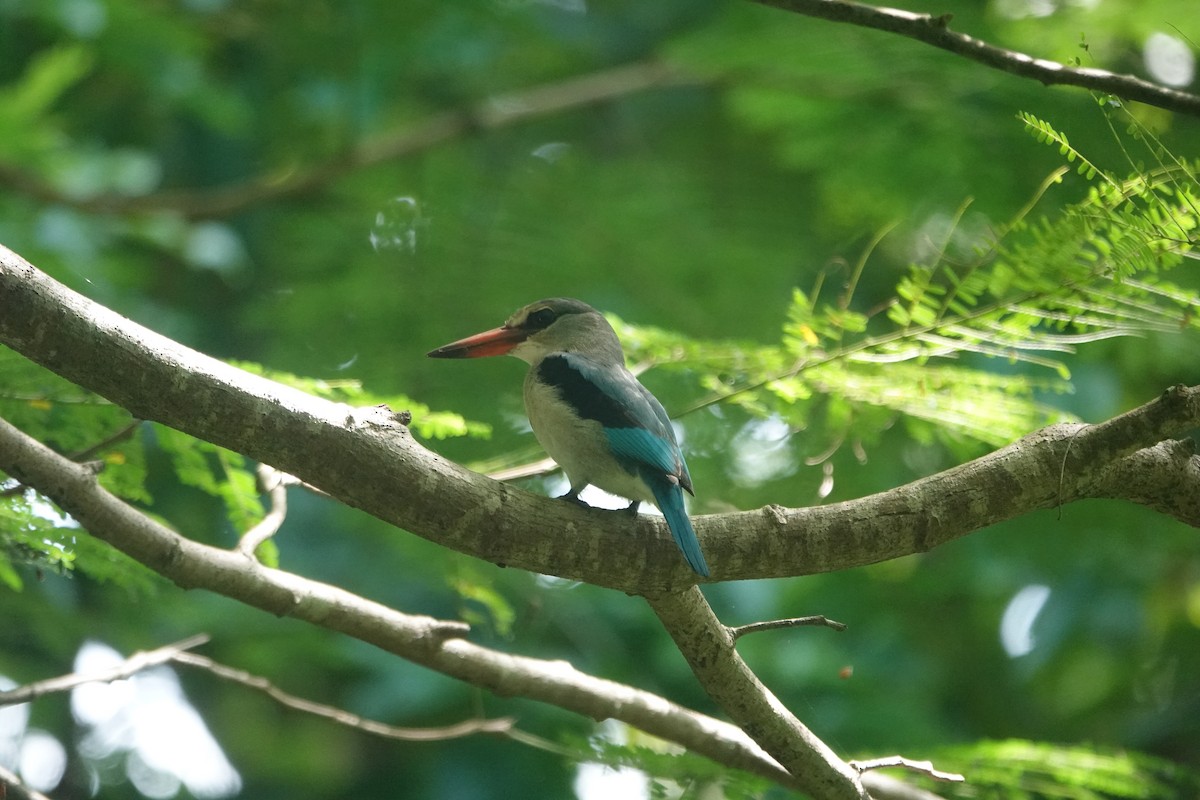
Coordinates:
(709, 649)
(935, 31)
(368, 460)
(432, 643)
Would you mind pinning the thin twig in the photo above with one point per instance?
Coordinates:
(340, 716)
(923, 767)
(134, 664)
(18, 790)
(275, 484)
(775, 624)
(935, 31)
(102, 445)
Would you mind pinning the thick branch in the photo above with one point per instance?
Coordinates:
(495, 112)
(432, 643)
(368, 460)
(708, 647)
(934, 30)
(1165, 477)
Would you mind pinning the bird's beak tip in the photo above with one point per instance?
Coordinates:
(495, 342)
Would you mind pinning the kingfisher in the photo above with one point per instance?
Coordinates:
(590, 413)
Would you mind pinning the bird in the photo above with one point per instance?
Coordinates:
(589, 412)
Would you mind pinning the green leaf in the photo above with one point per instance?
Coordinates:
(1024, 769)
(478, 594)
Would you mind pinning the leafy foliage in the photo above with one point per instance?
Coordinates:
(425, 422)
(27, 128)
(86, 426)
(35, 534)
(1030, 291)
(672, 771)
(1022, 770)
(60, 414)
(699, 206)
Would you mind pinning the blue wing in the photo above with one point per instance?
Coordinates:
(638, 431)
(637, 427)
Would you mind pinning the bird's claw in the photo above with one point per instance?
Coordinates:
(572, 497)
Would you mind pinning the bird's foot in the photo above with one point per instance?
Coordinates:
(632, 510)
(573, 497)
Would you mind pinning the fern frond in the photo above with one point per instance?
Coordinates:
(1033, 291)
(1044, 132)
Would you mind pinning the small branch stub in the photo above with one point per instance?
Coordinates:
(274, 484)
(793, 622)
(923, 767)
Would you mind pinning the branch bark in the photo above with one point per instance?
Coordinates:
(935, 31)
(708, 647)
(337, 448)
(468, 727)
(132, 665)
(433, 643)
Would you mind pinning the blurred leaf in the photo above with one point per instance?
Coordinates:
(25, 130)
(34, 533)
(216, 471)
(477, 593)
(425, 422)
(1023, 770)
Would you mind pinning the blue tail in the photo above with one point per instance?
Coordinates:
(669, 498)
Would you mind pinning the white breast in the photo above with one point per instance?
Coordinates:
(578, 445)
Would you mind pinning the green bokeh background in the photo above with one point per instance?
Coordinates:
(695, 207)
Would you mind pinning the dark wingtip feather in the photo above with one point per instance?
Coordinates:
(670, 502)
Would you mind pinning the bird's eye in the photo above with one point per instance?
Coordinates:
(540, 318)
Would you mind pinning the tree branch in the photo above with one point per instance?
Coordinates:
(19, 791)
(432, 643)
(1164, 477)
(922, 767)
(775, 624)
(468, 727)
(274, 484)
(178, 653)
(935, 31)
(130, 666)
(708, 647)
(494, 112)
(333, 447)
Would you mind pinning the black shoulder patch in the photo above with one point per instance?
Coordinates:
(584, 397)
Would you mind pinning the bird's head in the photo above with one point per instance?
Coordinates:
(556, 325)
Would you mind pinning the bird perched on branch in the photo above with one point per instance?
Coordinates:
(589, 412)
